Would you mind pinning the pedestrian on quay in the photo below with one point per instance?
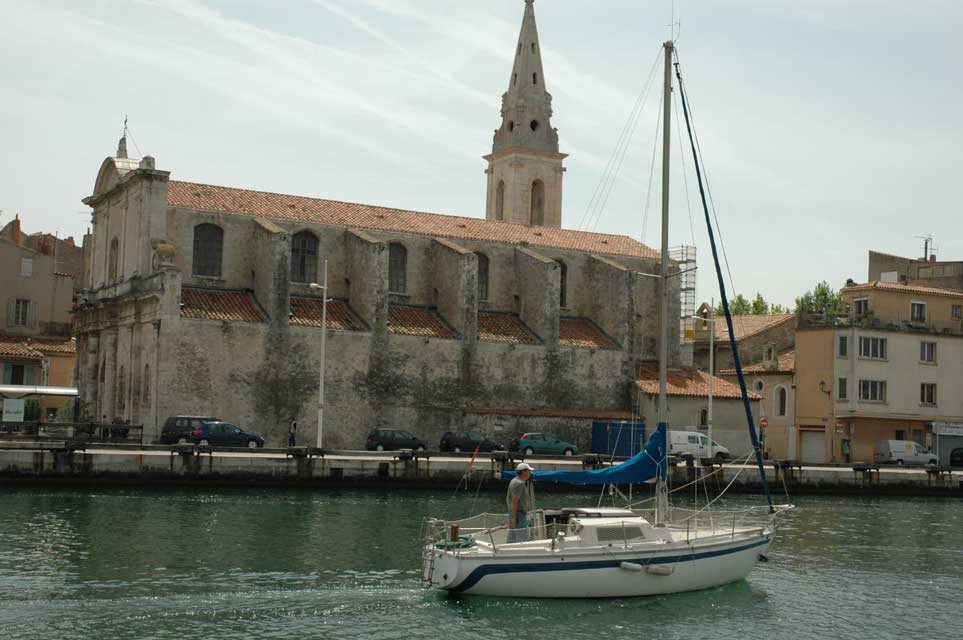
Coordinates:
(521, 501)
(292, 430)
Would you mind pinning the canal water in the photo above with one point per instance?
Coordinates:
(258, 563)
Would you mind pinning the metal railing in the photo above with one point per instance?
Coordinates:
(72, 432)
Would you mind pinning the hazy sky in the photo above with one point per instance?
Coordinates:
(829, 127)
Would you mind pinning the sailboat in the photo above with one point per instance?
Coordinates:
(607, 552)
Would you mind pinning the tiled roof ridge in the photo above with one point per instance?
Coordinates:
(447, 216)
(896, 286)
(760, 368)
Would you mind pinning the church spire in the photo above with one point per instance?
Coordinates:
(525, 167)
(527, 105)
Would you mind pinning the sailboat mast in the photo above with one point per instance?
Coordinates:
(662, 505)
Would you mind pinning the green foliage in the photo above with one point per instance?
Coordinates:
(822, 299)
(741, 306)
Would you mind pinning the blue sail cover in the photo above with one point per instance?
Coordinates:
(641, 467)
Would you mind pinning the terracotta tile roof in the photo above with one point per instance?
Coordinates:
(417, 321)
(747, 326)
(47, 346)
(785, 363)
(307, 312)
(202, 197)
(903, 288)
(686, 382)
(220, 304)
(18, 347)
(556, 413)
(494, 326)
(584, 334)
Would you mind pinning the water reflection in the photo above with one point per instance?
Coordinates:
(343, 564)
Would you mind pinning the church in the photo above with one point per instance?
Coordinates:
(204, 300)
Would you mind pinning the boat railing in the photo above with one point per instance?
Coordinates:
(696, 522)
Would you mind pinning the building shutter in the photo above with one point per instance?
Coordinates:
(11, 311)
(7, 373)
(32, 314)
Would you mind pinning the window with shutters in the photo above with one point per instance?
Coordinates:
(928, 393)
(917, 312)
(843, 392)
(482, 276)
(397, 268)
(26, 267)
(20, 313)
(304, 257)
(208, 250)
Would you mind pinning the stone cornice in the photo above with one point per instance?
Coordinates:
(94, 200)
(524, 152)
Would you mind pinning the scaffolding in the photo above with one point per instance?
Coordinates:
(685, 258)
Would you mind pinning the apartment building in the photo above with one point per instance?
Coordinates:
(888, 369)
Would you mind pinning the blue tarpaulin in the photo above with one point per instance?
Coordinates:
(642, 467)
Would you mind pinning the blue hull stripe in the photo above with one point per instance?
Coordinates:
(493, 569)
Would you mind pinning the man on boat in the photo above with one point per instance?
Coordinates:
(521, 500)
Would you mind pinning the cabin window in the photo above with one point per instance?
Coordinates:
(482, 276)
(397, 268)
(304, 257)
(208, 250)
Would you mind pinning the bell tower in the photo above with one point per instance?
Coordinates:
(525, 167)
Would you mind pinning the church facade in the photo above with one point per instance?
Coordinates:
(198, 300)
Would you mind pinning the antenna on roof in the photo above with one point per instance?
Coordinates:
(928, 247)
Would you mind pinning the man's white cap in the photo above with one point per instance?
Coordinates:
(524, 466)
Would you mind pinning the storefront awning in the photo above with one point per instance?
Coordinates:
(27, 391)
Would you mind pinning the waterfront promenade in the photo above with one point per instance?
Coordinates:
(47, 462)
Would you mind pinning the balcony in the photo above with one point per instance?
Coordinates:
(871, 322)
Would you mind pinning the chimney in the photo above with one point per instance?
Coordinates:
(15, 231)
(932, 257)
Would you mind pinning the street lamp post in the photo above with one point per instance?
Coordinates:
(712, 352)
(324, 333)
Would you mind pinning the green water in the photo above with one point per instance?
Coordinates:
(212, 564)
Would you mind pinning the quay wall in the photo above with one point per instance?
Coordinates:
(190, 465)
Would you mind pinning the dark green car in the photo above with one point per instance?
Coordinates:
(530, 443)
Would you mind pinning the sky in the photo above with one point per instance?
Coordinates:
(827, 128)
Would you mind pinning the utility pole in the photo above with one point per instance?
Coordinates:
(324, 333)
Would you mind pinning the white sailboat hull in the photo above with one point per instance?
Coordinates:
(602, 573)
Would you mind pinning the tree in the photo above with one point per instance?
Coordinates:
(740, 306)
(822, 299)
(759, 306)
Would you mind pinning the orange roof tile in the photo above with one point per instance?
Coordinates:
(495, 326)
(417, 321)
(307, 312)
(557, 413)
(47, 346)
(746, 326)
(18, 347)
(785, 363)
(220, 304)
(687, 382)
(904, 288)
(203, 197)
(584, 334)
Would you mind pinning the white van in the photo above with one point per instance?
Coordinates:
(902, 452)
(695, 444)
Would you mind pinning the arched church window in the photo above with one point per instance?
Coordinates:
(500, 201)
(511, 125)
(519, 48)
(562, 283)
(112, 260)
(533, 47)
(304, 257)
(704, 418)
(782, 401)
(397, 267)
(534, 125)
(482, 276)
(208, 250)
(515, 79)
(535, 78)
(538, 203)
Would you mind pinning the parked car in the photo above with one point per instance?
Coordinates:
(956, 457)
(224, 434)
(178, 429)
(902, 452)
(393, 439)
(529, 443)
(695, 444)
(467, 441)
